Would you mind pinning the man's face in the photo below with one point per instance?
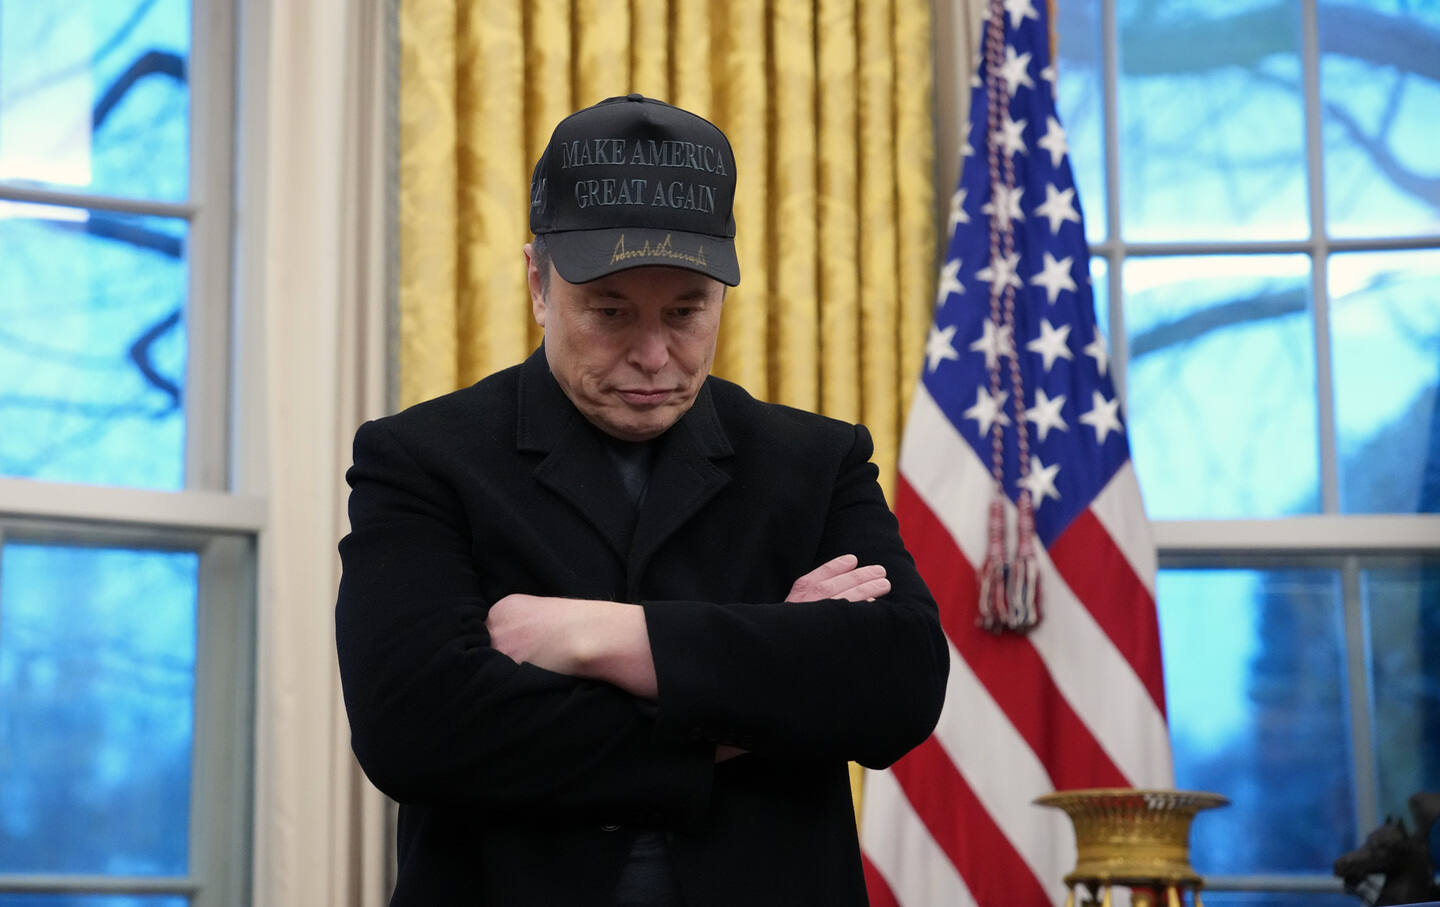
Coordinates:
(631, 349)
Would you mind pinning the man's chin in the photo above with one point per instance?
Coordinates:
(649, 426)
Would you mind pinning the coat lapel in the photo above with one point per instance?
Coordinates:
(682, 479)
(577, 467)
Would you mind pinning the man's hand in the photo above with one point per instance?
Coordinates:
(599, 640)
(841, 578)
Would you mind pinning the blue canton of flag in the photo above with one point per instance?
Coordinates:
(1075, 429)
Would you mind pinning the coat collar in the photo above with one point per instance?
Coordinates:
(683, 476)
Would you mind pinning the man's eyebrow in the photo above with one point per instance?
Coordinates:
(694, 294)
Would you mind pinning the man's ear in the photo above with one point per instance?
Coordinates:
(537, 294)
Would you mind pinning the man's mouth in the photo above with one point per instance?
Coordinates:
(638, 396)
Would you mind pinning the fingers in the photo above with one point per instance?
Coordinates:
(831, 569)
(841, 578)
(850, 582)
(867, 591)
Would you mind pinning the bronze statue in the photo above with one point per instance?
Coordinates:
(1401, 858)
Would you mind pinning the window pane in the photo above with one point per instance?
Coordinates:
(92, 900)
(94, 95)
(1212, 142)
(1079, 99)
(1381, 90)
(97, 673)
(92, 347)
(1220, 387)
(1254, 668)
(1403, 608)
(1385, 336)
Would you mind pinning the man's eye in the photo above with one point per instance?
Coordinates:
(683, 312)
(608, 312)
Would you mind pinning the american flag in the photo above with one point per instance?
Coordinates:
(1078, 700)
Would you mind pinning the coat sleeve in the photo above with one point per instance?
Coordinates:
(862, 681)
(437, 715)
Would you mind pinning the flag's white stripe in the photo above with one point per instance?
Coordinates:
(1092, 675)
(1119, 509)
(931, 456)
(1004, 773)
(899, 845)
(1100, 685)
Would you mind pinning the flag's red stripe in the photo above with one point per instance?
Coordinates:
(1099, 574)
(1008, 666)
(992, 868)
(876, 886)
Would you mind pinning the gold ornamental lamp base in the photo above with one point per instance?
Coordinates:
(1136, 838)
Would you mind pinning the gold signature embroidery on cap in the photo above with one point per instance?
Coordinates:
(662, 250)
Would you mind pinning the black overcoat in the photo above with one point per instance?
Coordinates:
(519, 786)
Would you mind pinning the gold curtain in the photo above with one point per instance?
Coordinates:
(828, 106)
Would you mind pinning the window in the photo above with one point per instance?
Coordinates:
(1263, 200)
(126, 562)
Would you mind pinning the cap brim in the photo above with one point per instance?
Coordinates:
(581, 256)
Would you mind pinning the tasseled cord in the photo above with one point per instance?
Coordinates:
(993, 610)
(1023, 583)
(1010, 590)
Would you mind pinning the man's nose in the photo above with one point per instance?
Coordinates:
(651, 349)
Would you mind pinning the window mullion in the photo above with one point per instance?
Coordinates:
(138, 507)
(1319, 261)
(1273, 882)
(1361, 699)
(62, 198)
(92, 884)
(207, 311)
(220, 811)
(1115, 247)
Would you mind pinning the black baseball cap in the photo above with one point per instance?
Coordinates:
(633, 181)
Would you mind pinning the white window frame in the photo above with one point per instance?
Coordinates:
(1340, 541)
(206, 517)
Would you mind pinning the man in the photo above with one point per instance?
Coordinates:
(609, 628)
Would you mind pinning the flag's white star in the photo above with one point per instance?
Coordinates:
(1009, 137)
(1040, 482)
(1104, 416)
(1001, 271)
(1096, 350)
(994, 342)
(1055, 276)
(958, 214)
(940, 346)
(1019, 11)
(1053, 343)
(1016, 70)
(949, 282)
(1049, 75)
(1058, 207)
(966, 149)
(1054, 141)
(1045, 414)
(1008, 208)
(988, 410)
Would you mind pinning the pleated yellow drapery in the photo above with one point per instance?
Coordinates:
(828, 106)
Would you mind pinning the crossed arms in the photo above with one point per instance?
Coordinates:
(608, 641)
(461, 691)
